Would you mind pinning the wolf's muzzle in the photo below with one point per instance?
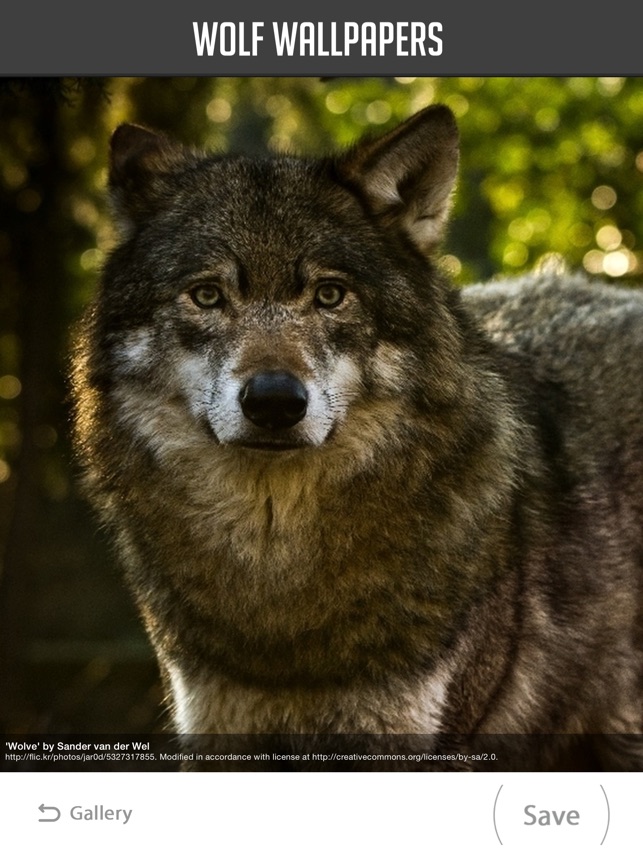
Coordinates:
(274, 400)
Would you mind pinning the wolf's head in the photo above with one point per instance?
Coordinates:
(262, 303)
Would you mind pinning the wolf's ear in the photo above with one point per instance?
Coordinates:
(407, 175)
(140, 162)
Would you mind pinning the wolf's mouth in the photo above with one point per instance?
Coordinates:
(271, 446)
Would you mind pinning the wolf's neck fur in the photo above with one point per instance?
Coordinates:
(297, 564)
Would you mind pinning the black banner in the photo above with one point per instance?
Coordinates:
(341, 752)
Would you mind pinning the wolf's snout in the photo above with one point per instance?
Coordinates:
(274, 400)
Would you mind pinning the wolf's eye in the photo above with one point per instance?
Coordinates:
(207, 296)
(329, 295)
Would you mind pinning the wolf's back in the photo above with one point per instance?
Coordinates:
(585, 339)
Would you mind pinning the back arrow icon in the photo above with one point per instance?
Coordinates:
(44, 808)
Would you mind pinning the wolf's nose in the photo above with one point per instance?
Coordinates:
(274, 400)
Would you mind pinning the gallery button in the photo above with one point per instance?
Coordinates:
(97, 812)
(543, 812)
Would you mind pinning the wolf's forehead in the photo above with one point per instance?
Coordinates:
(267, 216)
(280, 172)
(276, 194)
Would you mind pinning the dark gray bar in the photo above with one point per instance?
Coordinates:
(478, 38)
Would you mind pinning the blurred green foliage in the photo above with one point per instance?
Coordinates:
(547, 163)
(551, 172)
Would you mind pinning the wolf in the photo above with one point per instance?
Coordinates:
(351, 499)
